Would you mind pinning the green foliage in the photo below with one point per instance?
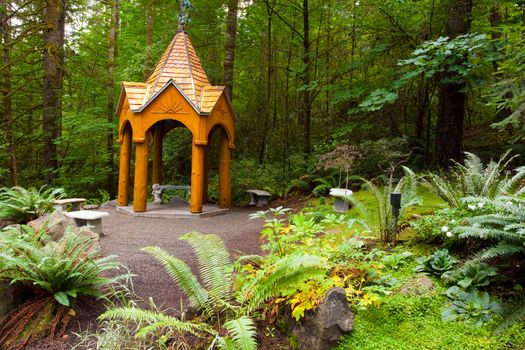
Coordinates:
(385, 220)
(503, 226)
(474, 306)
(440, 225)
(437, 264)
(473, 276)
(414, 323)
(241, 330)
(221, 305)
(473, 178)
(23, 205)
(396, 260)
(65, 269)
(443, 57)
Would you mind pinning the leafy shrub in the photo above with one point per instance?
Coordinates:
(473, 276)
(23, 205)
(437, 264)
(474, 306)
(504, 225)
(55, 274)
(385, 220)
(396, 260)
(473, 178)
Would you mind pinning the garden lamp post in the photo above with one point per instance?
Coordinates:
(395, 202)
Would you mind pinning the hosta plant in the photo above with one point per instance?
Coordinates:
(436, 264)
(23, 205)
(473, 275)
(474, 306)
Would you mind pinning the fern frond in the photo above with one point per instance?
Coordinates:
(512, 316)
(182, 275)
(284, 273)
(243, 333)
(215, 267)
(153, 320)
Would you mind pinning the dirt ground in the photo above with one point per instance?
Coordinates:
(125, 235)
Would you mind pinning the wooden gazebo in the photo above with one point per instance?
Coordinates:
(177, 94)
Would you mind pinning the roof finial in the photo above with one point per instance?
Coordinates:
(185, 6)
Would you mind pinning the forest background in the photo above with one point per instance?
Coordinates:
(412, 82)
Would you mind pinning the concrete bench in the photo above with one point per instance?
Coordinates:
(157, 190)
(341, 204)
(259, 198)
(90, 218)
(63, 204)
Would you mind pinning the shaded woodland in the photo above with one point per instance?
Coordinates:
(404, 81)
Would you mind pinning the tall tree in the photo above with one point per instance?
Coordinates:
(229, 54)
(305, 93)
(150, 14)
(54, 17)
(452, 95)
(7, 103)
(112, 56)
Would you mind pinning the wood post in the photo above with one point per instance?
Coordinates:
(123, 176)
(156, 155)
(206, 174)
(197, 177)
(225, 199)
(140, 191)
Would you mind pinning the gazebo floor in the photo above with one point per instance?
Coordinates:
(173, 210)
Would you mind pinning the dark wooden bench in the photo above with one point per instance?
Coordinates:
(259, 198)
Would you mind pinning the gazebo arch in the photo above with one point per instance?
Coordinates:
(177, 90)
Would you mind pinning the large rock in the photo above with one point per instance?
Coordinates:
(56, 225)
(321, 328)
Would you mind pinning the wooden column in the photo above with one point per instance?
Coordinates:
(140, 189)
(123, 175)
(206, 174)
(156, 155)
(197, 177)
(225, 196)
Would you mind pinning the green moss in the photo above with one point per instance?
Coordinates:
(414, 322)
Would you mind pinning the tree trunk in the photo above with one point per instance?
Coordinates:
(229, 55)
(451, 112)
(150, 14)
(7, 91)
(110, 87)
(304, 97)
(55, 14)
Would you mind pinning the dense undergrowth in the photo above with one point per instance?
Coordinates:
(451, 279)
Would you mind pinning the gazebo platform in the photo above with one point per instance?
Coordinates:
(173, 210)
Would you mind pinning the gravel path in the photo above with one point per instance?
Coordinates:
(125, 235)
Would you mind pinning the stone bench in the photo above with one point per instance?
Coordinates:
(157, 190)
(90, 218)
(341, 204)
(259, 198)
(63, 204)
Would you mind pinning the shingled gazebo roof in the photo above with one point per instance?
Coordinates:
(180, 66)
